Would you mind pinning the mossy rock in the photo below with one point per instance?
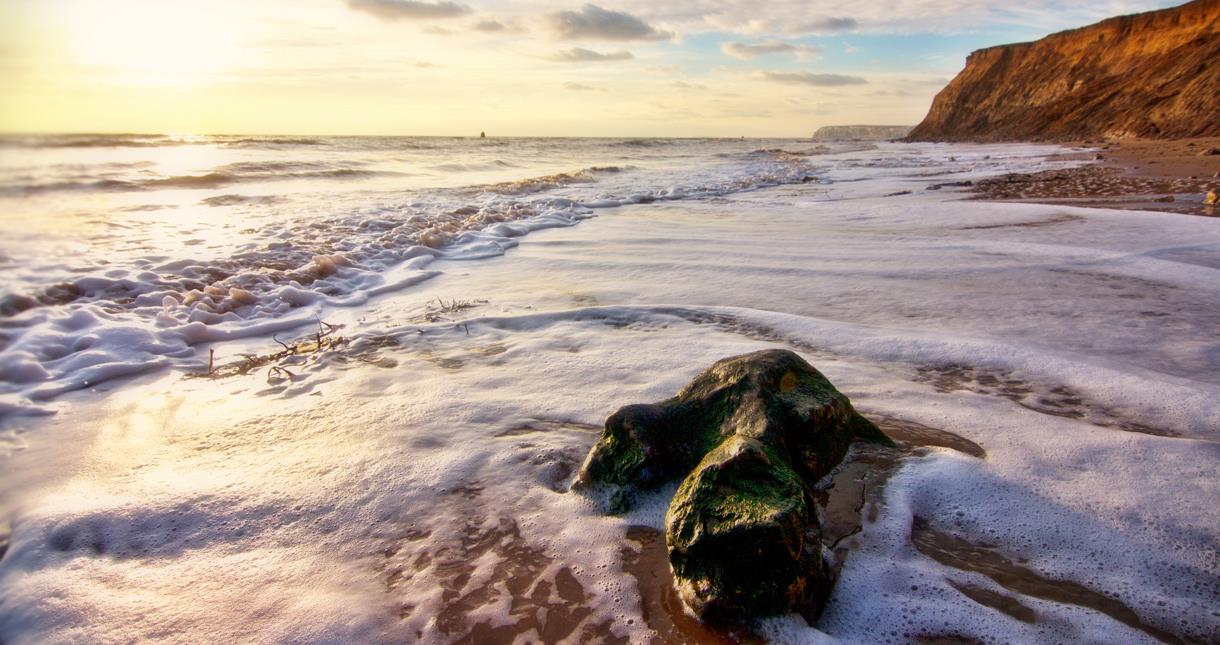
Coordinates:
(772, 395)
(740, 535)
(749, 437)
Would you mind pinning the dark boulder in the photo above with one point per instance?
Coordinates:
(740, 537)
(750, 436)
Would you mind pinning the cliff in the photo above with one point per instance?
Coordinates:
(1154, 74)
(860, 132)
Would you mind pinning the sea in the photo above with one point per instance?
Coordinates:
(335, 389)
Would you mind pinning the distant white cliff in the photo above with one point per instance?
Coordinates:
(861, 132)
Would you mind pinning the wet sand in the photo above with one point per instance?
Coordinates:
(1166, 176)
(398, 473)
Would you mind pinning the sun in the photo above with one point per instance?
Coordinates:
(155, 43)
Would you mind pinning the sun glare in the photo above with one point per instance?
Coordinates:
(159, 43)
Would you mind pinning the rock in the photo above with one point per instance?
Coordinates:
(15, 303)
(1167, 199)
(1210, 152)
(749, 437)
(740, 537)
(860, 132)
(1150, 75)
(771, 393)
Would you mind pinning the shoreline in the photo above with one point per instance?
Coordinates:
(1171, 176)
(405, 477)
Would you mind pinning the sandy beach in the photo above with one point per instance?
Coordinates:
(401, 472)
(460, 322)
(1150, 175)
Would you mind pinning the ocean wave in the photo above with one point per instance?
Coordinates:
(782, 152)
(99, 185)
(257, 142)
(495, 164)
(150, 141)
(230, 199)
(257, 171)
(531, 185)
(82, 332)
(301, 262)
(643, 143)
(539, 184)
(100, 141)
(235, 173)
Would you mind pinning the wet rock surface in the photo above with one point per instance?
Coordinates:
(740, 538)
(749, 437)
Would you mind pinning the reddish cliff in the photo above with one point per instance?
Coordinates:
(1154, 74)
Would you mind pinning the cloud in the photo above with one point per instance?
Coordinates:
(581, 87)
(582, 55)
(594, 23)
(409, 9)
(828, 24)
(683, 85)
(492, 26)
(809, 78)
(745, 50)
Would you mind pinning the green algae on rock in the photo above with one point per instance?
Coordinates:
(739, 535)
(749, 437)
(772, 395)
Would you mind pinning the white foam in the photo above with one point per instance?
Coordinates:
(352, 500)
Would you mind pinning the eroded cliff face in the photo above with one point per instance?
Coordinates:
(1154, 74)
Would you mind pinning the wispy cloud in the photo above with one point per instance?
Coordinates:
(683, 85)
(581, 87)
(810, 78)
(592, 22)
(582, 55)
(492, 26)
(747, 50)
(827, 25)
(409, 9)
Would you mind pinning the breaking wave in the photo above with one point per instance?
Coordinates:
(311, 252)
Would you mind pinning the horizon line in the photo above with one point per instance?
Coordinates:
(408, 136)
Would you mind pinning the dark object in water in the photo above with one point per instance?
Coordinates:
(750, 437)
(482, 135)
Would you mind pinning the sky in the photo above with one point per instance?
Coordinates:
(507, 67)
